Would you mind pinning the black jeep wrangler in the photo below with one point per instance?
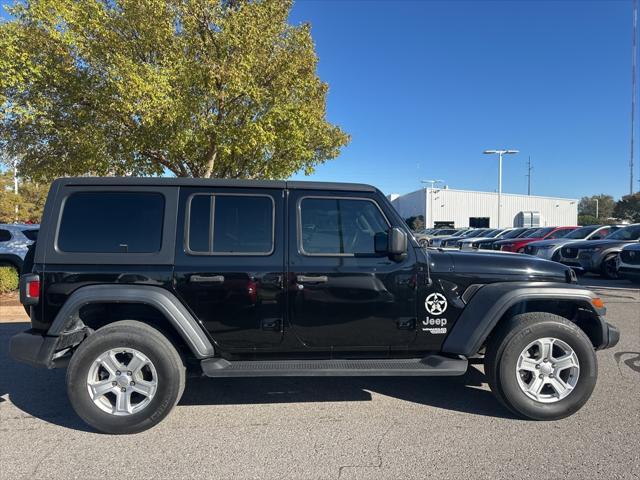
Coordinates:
(134, 281)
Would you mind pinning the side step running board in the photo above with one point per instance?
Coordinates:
(427, 366)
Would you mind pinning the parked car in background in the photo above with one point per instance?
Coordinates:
(468, 243)
(550, 249)
(452, 242)
(437, 241)
(599, 256)
(628, 262)
(546, 233)
(487, 244)
(424, 237)
(14, 243)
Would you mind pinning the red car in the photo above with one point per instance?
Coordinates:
(545, 233)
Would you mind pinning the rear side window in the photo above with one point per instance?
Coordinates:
(112, 222)
(5, 235)
(239, 225)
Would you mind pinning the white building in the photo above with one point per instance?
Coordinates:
(466, 208)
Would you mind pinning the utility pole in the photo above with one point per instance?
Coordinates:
(432, 182)
(500, 153)
(529, 168)
(15, 185)
(634, 63)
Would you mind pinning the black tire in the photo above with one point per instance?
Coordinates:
(147, 340)
(504, 348)
(608, 268)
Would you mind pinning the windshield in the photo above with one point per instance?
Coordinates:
(632, 232)
(476, 233)
(540, 232)
(582, 232)
(492, 233)
(513, 233)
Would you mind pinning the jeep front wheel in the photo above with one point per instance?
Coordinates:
(541, 366)
(125, 378)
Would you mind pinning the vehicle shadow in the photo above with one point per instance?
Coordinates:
(41, 393)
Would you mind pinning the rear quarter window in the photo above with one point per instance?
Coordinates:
(111, 222)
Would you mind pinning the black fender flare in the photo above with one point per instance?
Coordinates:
(492, 301)
(164, 301)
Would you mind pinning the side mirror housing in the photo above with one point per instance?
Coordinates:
(397, 244)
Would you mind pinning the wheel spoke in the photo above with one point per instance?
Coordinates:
(98, 389)
(110, 363)
(136, 363)
(560, 386)
(546, 347)
(566, 361)
(144, 388)
(123, 402)
(535, 387)
(528, 364)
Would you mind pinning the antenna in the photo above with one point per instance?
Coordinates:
(529, 169)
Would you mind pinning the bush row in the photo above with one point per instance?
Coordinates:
(8, 279)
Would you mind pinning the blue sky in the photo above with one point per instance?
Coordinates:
(425, 86)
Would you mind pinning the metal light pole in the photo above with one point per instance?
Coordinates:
(500, 153)
(432, 182)
(597, 207)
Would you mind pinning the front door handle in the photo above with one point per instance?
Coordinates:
(312, 279)
(206, 278)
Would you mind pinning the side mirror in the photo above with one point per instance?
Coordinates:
(397, 244)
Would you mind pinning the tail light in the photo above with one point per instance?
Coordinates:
(29, 289)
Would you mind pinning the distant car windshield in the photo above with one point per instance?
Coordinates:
(582, 232)
(632, 232)
(513, 233)
(476, 233)
(492, 233)
(540, 232)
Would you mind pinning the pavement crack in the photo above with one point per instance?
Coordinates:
(378, 462)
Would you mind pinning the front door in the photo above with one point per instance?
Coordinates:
(229, 265)
(342, 294)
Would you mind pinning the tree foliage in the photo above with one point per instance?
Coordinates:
(628, 208)
(223, 88)
(606, 204)
(29, 200)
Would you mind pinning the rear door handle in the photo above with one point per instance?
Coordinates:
(312, 279)
(206, 278)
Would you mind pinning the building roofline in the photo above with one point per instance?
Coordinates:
(491, 193)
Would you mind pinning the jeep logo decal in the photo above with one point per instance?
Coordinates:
(436, 304)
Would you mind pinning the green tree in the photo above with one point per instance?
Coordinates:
(628, 208)
(606, 204)
(30, 200)
(203, 88)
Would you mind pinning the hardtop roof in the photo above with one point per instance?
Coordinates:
(211, 182)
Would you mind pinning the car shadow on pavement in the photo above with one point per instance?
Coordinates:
(41, 393)
(463, 393)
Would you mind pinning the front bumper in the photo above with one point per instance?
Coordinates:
(632, 274)
(613, 336)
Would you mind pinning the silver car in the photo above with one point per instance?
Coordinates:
(14, 243)
(551, 249)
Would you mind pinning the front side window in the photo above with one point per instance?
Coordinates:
(5, 235)
(339, 226)
(240, 224)
(111, 222)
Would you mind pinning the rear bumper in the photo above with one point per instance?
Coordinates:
(38, 350)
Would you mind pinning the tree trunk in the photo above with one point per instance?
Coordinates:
(212, 154)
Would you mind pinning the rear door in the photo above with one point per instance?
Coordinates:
(230, 264)
(343, 295)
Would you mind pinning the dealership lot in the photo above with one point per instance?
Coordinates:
(330, 428)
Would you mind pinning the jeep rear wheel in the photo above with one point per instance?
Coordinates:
(541, 366)
(125, 378)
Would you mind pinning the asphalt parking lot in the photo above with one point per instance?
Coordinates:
(328, 428)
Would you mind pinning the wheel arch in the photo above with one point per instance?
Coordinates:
(494, 303)
(98, 305)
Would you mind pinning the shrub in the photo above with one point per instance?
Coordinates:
(8, 279)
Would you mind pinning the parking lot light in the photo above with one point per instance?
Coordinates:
(500, 153)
